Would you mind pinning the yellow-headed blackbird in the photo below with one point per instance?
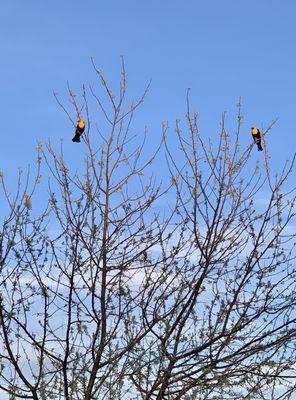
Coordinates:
(79, 130)
(257, 137)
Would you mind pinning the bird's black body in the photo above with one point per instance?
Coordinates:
(79, 131)
(257, 138)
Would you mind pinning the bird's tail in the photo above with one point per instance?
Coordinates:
(76, 138)
(260, 148)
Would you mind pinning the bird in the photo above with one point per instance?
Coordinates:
(79, 130)
(257, 137)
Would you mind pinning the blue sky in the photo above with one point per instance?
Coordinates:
(221, 49)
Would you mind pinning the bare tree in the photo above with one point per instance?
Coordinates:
(127, 288)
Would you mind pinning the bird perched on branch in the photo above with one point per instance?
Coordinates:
(79, 131)
(257, 137)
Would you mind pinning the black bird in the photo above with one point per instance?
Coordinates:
(257, 137)
(79, 131)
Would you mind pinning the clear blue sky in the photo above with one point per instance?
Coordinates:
(221, 49)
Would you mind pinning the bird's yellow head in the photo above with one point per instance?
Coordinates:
(81, 123)
(254, 130)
